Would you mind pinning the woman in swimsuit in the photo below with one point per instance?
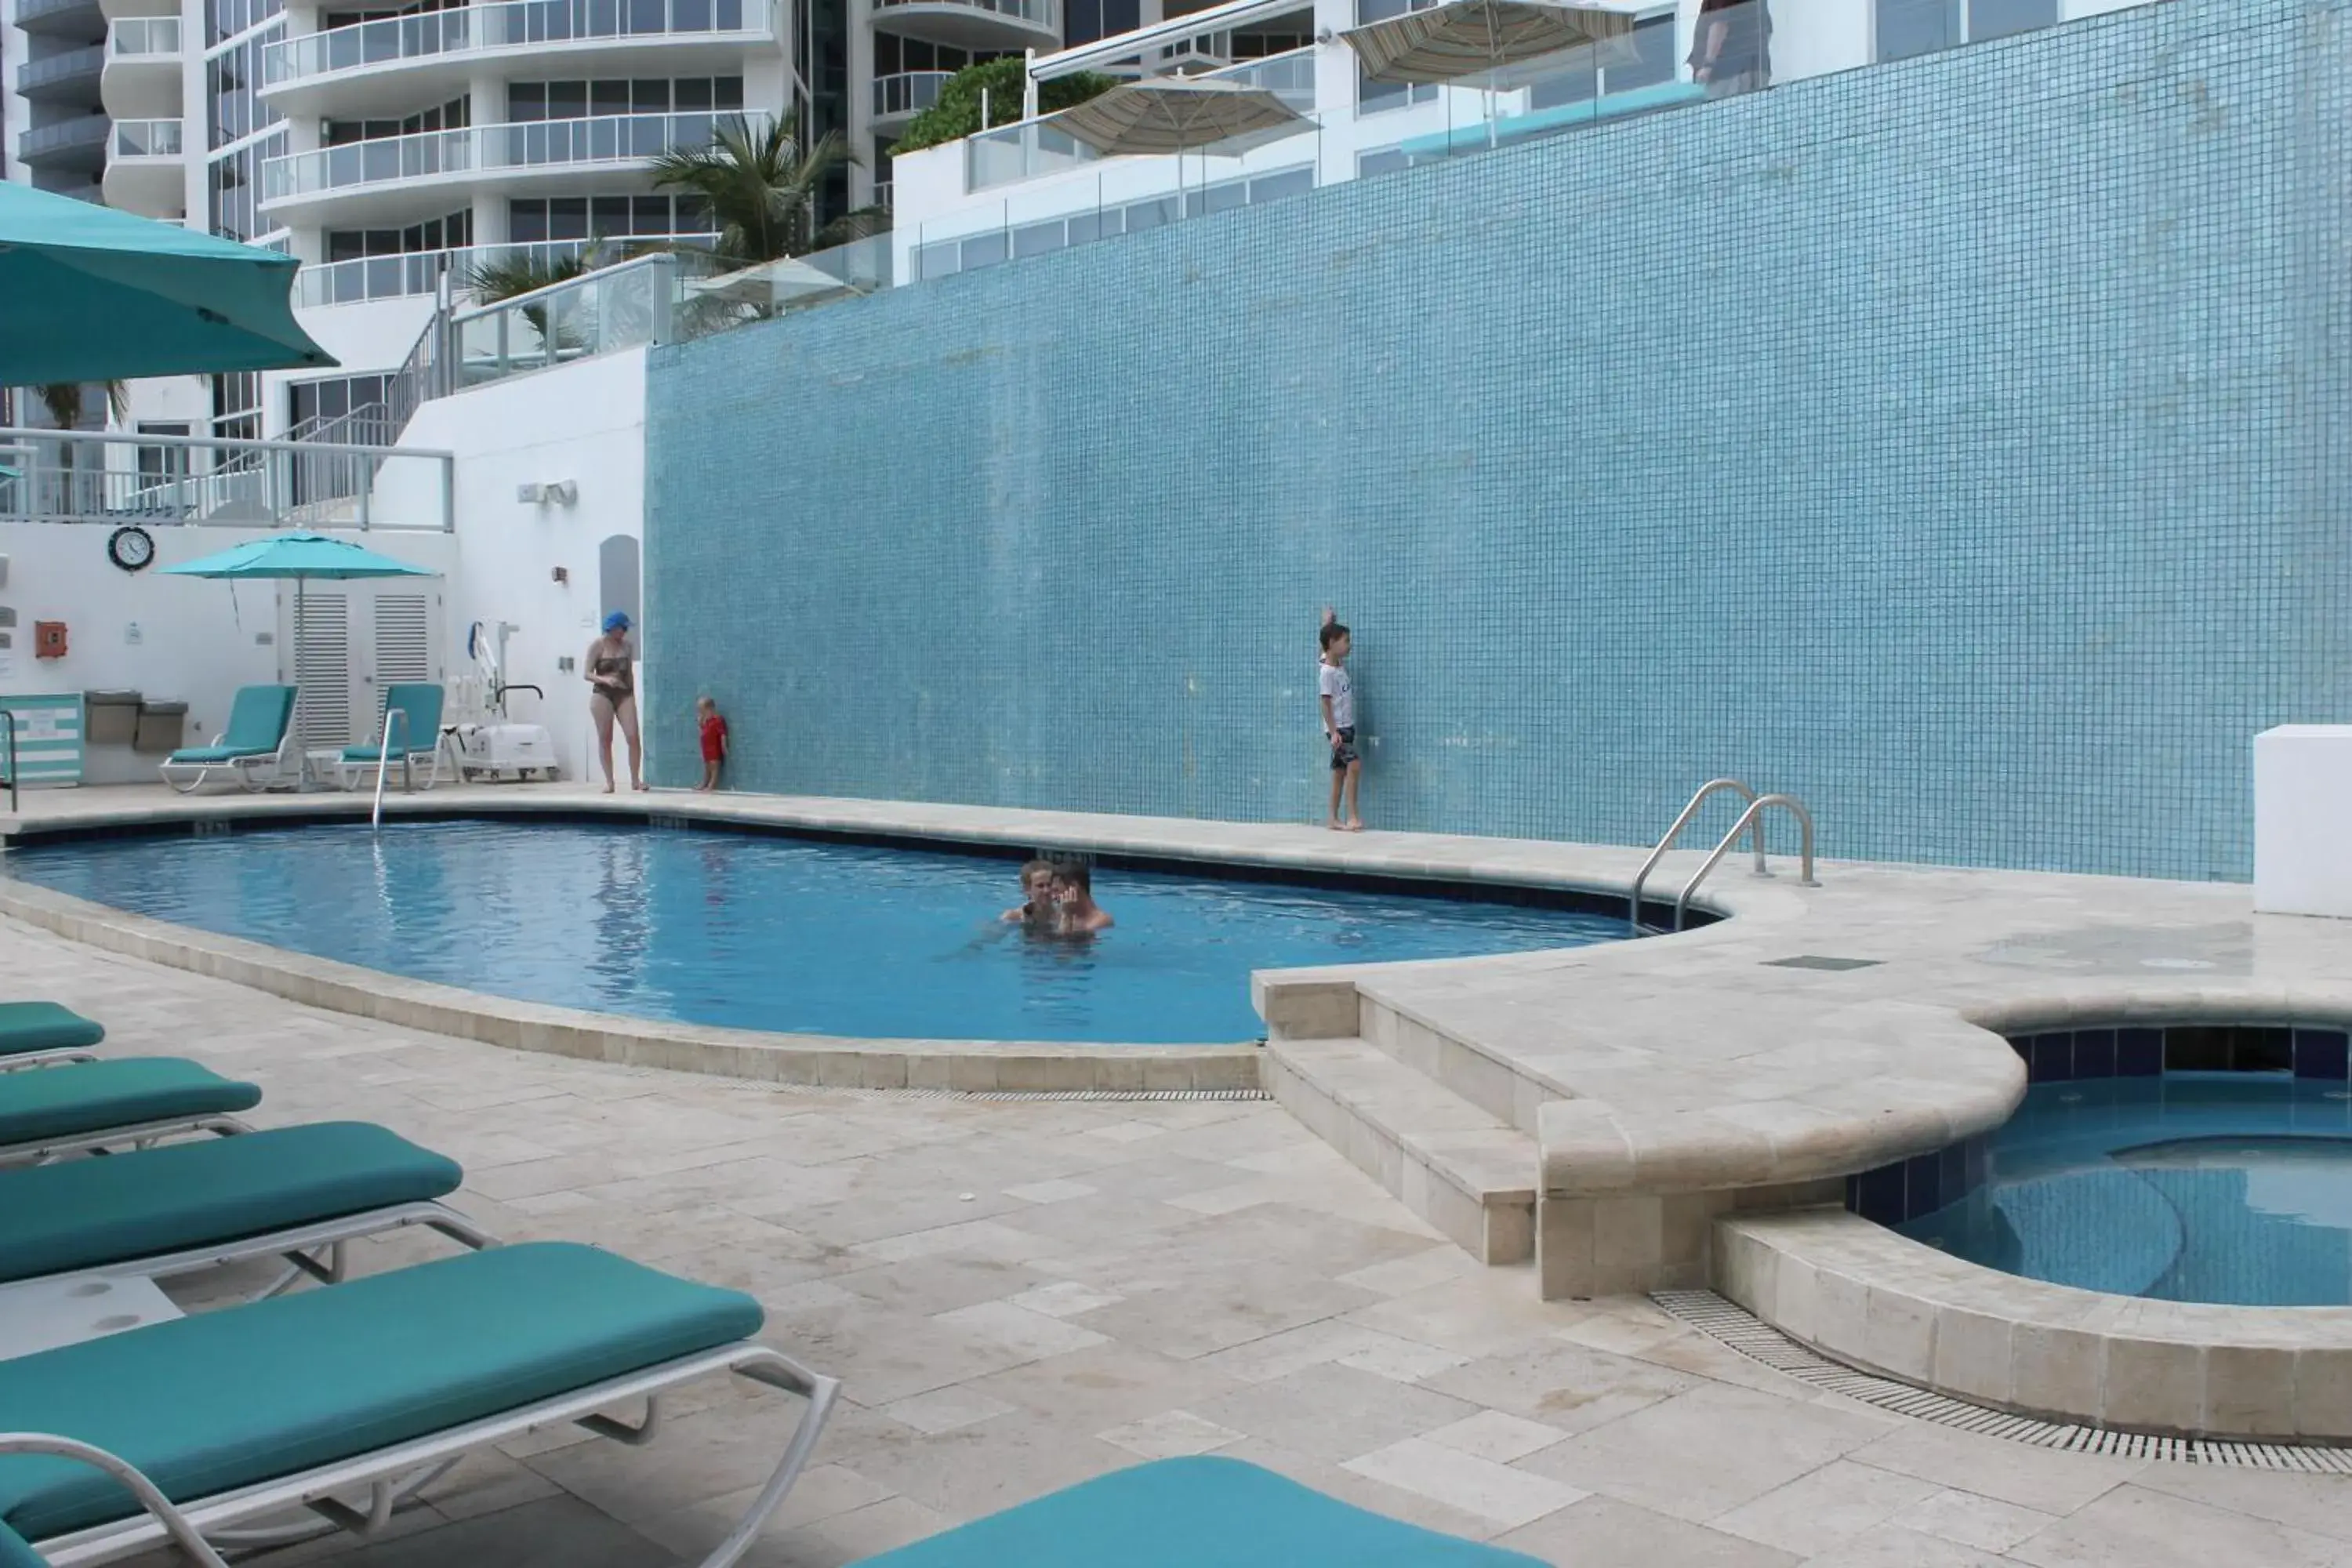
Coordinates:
(613, 695)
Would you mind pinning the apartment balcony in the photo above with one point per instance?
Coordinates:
(901, 96)
(419, 273)
(143, 68)
(147, 169)
(390, 66)
(68, 144)
(79, 21)
(1006, 25)
(68, 77)
(407, 177)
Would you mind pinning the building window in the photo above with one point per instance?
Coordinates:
(533, 100)
(1088, 20)
(232, 180)
(1650, 61)
(453, 232)
(335, 398)
(536, 220)
(157, 464)
(453, 115)
(1907, 27)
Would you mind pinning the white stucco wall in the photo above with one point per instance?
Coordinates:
(584, 422)
(175, 638)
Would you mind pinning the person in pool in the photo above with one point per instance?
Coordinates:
(1077, 913)
(612, 670)
(1036, 905)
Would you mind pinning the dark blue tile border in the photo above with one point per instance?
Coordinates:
(1920, 1185)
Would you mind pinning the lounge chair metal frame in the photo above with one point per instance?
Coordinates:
(394, 1475)
(284, 765)
(140, 1135)
(55, 1056)
(312, 1251)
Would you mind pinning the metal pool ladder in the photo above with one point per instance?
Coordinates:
(409, 777)
(1751, 822)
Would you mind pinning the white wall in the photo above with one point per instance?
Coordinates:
(183, 639)
(584, 422)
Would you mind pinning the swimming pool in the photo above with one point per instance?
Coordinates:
(775, 932)
(2232, 1187)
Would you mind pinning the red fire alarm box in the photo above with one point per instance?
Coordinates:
(48, 639)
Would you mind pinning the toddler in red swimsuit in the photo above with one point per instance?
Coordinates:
(714, 742)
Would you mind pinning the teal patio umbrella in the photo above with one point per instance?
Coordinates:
(301, 557)
(90, 294)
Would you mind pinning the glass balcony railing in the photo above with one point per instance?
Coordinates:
(147, 139)
(1045, 15)
(512, 25)
(66, 135)
(906, 92)
(132, 37)
(42, 11)
(526, 144)
(55, 69)
(415, 273)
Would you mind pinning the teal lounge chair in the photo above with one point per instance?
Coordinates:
(198, 1431)
(125, 1102)
(418, 737)
(253, 749)
(40, 1034)
(295, 1192)
(1204, 1513)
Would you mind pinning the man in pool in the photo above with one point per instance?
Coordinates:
(1036, 905)
(1073, 901)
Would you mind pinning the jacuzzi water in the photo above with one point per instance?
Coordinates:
(2225, 1186)
(772, 932)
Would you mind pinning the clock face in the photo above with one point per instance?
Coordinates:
(130, 548)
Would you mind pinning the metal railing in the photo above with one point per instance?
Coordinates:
(148, 139)
(1045, 15)
(1706, 792)
(8, 735)
(143, 36)
(1753, 818)
(54, 68)
(512, 24)
(907, 92)
(522, 144)
(417, 272)
(118, 477)
(88, 130)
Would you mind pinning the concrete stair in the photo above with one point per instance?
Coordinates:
(1456, 1164)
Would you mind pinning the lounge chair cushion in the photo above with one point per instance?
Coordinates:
(227, 1399)
(1204, 1513)
(44, 1027)
(15, 1553)
(213, 756)
(80, 1213)
(90, 1097)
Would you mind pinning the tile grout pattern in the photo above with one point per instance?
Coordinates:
(1950, 444)
(1023, 1295)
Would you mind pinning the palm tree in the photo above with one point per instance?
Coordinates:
(522, 271)
(761, 187)
(63, 400)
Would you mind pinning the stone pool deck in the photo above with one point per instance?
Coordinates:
(1123, 1281)
(1603, 1110)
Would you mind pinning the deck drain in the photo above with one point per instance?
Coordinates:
(1815, 961)
(1759, 1341)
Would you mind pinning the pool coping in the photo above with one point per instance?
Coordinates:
(1874, 1299)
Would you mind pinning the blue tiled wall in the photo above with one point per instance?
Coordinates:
(1958, 444)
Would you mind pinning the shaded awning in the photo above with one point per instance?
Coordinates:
(1180, 114)
(1475, 37)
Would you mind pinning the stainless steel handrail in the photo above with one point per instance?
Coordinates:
(408, 772)
(8, 728)
(1753, 816)
(1706, 792)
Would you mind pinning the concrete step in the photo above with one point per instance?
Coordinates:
(1456, 1166)
(1458, 1068)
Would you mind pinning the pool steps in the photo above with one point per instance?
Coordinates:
(1458, 1166)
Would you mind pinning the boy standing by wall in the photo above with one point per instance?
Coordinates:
(1338, 696)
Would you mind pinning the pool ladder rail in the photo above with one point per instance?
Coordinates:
(1751, 822)
(408, 772)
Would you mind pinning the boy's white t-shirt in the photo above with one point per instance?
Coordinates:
(1333, 682)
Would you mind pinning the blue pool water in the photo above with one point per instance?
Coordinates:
(772, 932)
(2193, 1186)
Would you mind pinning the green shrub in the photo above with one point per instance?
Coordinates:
(957, 114)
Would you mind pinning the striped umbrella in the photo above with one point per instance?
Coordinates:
(1174, 114)
(1475, 37)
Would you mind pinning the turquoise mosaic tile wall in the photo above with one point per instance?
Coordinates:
(1958, 444)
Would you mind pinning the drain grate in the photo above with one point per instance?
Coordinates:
(1816, 960)
(1759, 1341)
